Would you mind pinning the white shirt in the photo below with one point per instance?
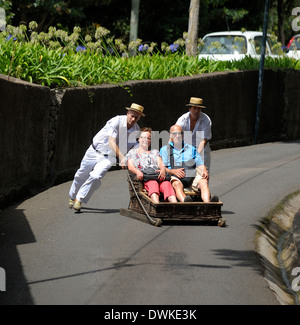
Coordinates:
(202, 129)
(116, 127)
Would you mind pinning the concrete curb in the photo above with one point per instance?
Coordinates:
(277, 246)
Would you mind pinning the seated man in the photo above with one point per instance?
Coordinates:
(185, 166)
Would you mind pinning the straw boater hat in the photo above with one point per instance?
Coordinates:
(136, 108)
(198, 102)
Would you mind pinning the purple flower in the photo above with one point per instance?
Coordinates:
(80, 48)
(143, 48)
(9, 37)
(174, 47)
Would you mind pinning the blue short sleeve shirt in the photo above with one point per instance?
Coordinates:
(186, 153)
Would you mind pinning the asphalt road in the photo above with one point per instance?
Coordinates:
(54, 256)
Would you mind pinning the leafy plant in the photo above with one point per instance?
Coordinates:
(59, 59)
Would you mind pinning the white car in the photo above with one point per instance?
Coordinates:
(294, 47)
(235, 45)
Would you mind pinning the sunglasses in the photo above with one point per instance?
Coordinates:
(174, 134)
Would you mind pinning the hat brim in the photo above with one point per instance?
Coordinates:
(135, 110)
(197, 105)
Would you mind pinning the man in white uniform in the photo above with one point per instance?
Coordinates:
(196, 127)
(111, 142)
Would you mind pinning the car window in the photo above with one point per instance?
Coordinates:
(257, 44)
(224, 44)
(295, 44)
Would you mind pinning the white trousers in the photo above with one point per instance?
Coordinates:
(88, 177)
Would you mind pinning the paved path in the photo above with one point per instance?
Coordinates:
(52, 255)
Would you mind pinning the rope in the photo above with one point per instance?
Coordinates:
(152, 221)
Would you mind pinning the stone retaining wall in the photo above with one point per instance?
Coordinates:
(276, 245)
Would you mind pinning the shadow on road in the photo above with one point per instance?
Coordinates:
(14, 231)
(244, 258)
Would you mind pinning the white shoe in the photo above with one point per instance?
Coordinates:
(77, 205)
(71, 203)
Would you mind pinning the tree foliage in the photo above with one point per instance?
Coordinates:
(159, 20)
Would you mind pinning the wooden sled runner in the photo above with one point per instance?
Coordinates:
(143, 208)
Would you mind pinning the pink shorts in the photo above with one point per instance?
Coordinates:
(158, 187)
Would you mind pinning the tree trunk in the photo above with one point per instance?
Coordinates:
(134, 23)
(280, 13)
(134, 20)
(191, 42)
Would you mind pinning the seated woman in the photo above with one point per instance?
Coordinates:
(141, 158)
